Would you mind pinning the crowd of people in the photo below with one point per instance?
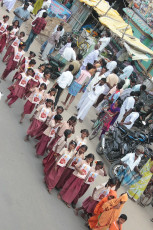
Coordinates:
(67, 168)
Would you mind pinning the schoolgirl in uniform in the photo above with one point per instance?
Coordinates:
(5, 37)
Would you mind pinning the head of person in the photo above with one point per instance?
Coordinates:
(42, 87)
(32, 54)
(22, 34)
(16, 23)
(133, 82)
(139, 150)
(73, 45)
(114, 58)
(137, 108)
(102, 81)
(69, 39)
(84, 133)
(5, 18)
(122, 82)
(59, 110)
(119, 86)
(89, 66)
(26, 5)
(137, 95)
(9, 28)
(52, 92)
(29, 72)
(90, 158)
(41, 68)
(122, 219)
(72, 120)
(118, 103)
(79, 57)
(47, 74)
(108, 34)
(96, 47)
(67, 134)
(123, 198)
(82, 149)
(99, 165)
(32, 63)
(115, 71)
(22, 45)
(72, 145)
(58, 118)
(71, 68)
(143, 87)
(59, 28)
(62, 23)
(44, 15)
(112, 195)
(49, 103)
(112, 182)
(103, 70)
(132, 63)
(102, 62)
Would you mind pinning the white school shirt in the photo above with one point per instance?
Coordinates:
(127, 71)
(111, 65)
(131, 117)
(91, 57)
(105, 41)
(96, 78)
(129, 160)
(93, 95)
(129, 103)
(136, 87)
(65, 79)
(69, 54)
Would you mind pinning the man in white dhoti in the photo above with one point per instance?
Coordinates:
(104, 41)
(126, 73)
(92, 96)
(111, 66)
(9, 4)
(90, 58)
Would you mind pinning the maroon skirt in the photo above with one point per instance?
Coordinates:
(33, 128)
(71, 189)
(40, 131)
(49, 161)
(89, 205)
(82, 191)
(28, 107)
(19, 91)
(53, 142)
(53, 176)
(66, 175)
(2, 42)
(42, 145)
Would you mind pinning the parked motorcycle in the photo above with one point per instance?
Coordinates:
(54, 66)
(62, 41)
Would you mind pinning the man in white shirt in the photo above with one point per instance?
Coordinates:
(62, 31)
(69, 53)
(91, 57)
(111, 66)
(63, 81)
(131, 118)
(126, 73)
(92, 96)
(139, 87)
(68, 44)
(104, 41)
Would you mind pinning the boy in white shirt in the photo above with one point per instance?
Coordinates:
(104, 41)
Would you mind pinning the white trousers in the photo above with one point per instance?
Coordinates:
(84, 95)
(85, 107)
(48, 47)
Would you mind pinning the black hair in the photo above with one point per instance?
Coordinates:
(103, 61)
(49, 100)
(47, 71)
(41, 66)
(143, 87)
(30, 69)
(67, 132)
(71, 38)
(71, 67)
(123, 216)
(132, 63)
(13, 23)
(10, 28)
(6, 16)
(43, 84)
(132, 93)
(108, 34)
(73, 118)
(83, 146)
(103, 79)
(90, 155)
(73, 142)
(23, 33)
(133, 80)
(100, 163)
(32, 62)
(115, 70)
(79, 56)
(45, 15)
(32, 53)
(60, 27)
(85, 131)
(104, 67)
(114, 58)
(119, 85)
(119, 102)
(137, 108)
(52, 90)
(60, 107)
(73, 45)
(22, 44)
(111, 181)
(122, 82)
(26, 4)
(137, 93)
(58, 117)
(89, 66)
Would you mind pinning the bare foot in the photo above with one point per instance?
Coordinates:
(68, 205)
(80, 120)
(21, 121)
(49, 191)
(63, 102)
(83, 216)
(66, 108)
(26, 138)
(76, 114)
(76, 212)
(59, 197)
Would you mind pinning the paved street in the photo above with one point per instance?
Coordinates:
(25, 203)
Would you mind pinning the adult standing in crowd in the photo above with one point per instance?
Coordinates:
(9, 4)
(41, 4)
(37, 26)
(22, 14)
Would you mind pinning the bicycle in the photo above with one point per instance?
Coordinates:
(81, 38)
(147, 198)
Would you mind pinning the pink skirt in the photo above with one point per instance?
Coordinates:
(28, 107)
(89, 205)
(19, 91)
(49, 161)
(33, 128)
(42, 145)
(40, 131)
(66, 175)
(82, 191)
(53, 176)
(71, 189)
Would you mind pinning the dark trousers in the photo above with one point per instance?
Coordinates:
(30, 40)
(59, 91)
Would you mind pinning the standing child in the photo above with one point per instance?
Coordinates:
(38, 74)
(48, 134)
(57, 169)
(60, 144)
(5, 37)
(73, 185)
(33, 100)
(79, 155)
(14, 31)
(83, 139)
(51, 94)
(14, 59)
(117, 225)
(3, 24)
(19, 87)
(46, 77)
(40, 116)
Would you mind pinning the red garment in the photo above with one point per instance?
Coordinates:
(82, 191)
(28, 107)
(42, 145)
(39, 24)
(49, 161)
(40, 132)
(8, 52)
(66, 175)
(2, 42)
(11, 65)
(33, 128)
(89, 205)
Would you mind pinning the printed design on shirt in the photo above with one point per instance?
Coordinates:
(43, 114)
(17, 54)
(84, 169)
(3, 27)
(16, 42)
(37, 76)
(36, 98)
(75, 161)
(63, 160)
(23, 82)
(91, 178)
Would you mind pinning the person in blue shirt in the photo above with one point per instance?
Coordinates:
(22, 14)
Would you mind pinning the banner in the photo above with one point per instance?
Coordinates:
(59, 11)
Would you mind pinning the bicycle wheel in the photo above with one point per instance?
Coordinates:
(146, 199)
(83, 48)
(96, 123)
(95, 131)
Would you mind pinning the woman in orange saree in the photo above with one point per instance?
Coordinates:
(98, 209)
(111, 212)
